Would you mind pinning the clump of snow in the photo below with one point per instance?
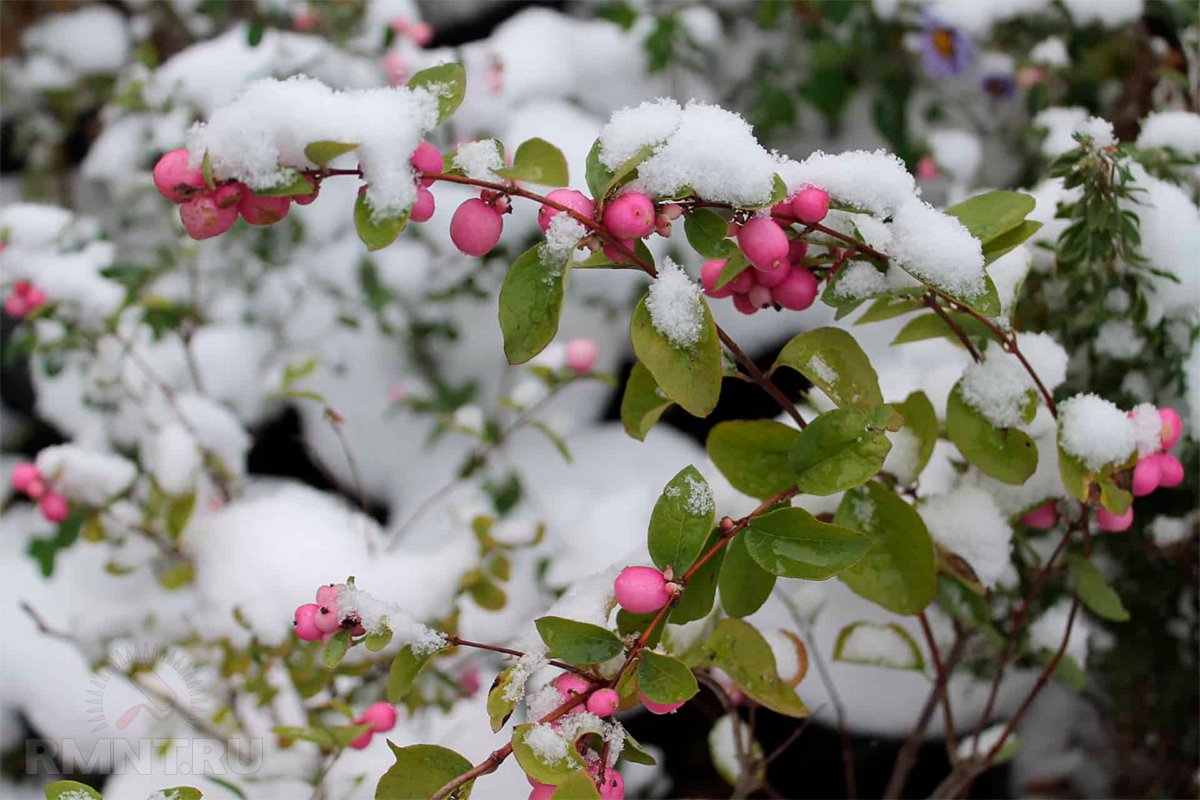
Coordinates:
(877, 644)
(699, 498)
(1168, 531)
(91, 40)
(1050, 52)
(1062, 123)
(1046, 632)
(1109, 13)
(547, 744)
(377, 615)
(902, 458)
(261, 136)
(1046, 356)
(85, 475)
(526, 665)
(937, 248)
(701, 146)
(172, 457)
(998, 388)
(1099, 130)
(1147, 428)
(872, 181)
(1169, 224)
(858, 279)
(479, 160)
(675, 307)
(1095, 431)
(822, 370)
(981, 744)
(957, 152)
(967, 522)
(562, 236)
(33, 224)
(1008, 273)
(1179, 130)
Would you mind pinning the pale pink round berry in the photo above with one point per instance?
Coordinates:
(630, 216)
(174, 178)
(927, 168)
(569, 684)
(306, 199)
(54, 506)
(427, 160)
(1147, 474)
(475, 227)
(259, 209)
(1172, 427)
(36, 488)
(672, 211)
(1171, 469)
(1042, 518)
(658, 708)
(811, 205)
(575, 200)
(618, 255)
(23, 475)
(764, 243)
(327, 595)
(468, 680)
(662, 226)
(363, 740)
(15, 306)
(35, 298)
(326, 619)
(641, 590)
(421, 33)
(381, 717)
(613, 787)
(581, 355)
(797, 250)
(760, 296)
(709, 274)
(798, 291)
(422, 210)
(542, 791)
(773, 275)
(603, 702)
(203, 219)
(306, 629)
(1114, 523)
(395, 68)
(743, 304)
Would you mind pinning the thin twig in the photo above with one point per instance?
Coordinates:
(943, 679)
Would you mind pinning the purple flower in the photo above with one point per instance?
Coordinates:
(945, 51)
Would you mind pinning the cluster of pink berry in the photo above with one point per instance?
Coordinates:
(380, 716)
(420, 32)
(25, 299)
(1154, 471)
(27, 480)
(603, 703)
(321, 620)
(777, 276)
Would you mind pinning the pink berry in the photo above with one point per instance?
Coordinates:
(1171, 469)
(811, 205)
(476, 226)
(797, 250)
(23, 475)
(203, 218)
(542, 791)
(326, 619)
(798, 291)
(174, 178)
(421, 33)
(1114, 523)
(54, 506)
(34, 298)
(422, 210)
(468, 680)
(581, 355)
(773, 275)
(1147, 474)
(709, 273)
(743, 304)
(603, 702)
(630, 216)
(641, 590)
(36, 488)
(575, 200)
(363, 740)
(763, 242)
(327, 595)
(569, 684)
(1042, 518)
(1172, 427)
(306, 629)
(658, 708)
(613, 787)
(760, 296)
(259, 209)
(744, 282)
(618, 255)
(427, 160)
(306, 199)
(15, 306)
(381, 717)
(672, 211)
(927, 168)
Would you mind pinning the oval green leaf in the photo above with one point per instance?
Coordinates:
(448, 82)
(753, 455)
(642, 403)
(691, 377)
(531, 303)
(792, 543)
(578, 642)
(1006, 454)
(681, 521)
(420, 770)
(836, 364)
(838, 450)
(741, 651)
(744, 585)
(665, 679)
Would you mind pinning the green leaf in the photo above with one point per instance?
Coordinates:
(681, 521)
(542, 771)
(921, 420)
(1094, 590)
(179, 511)
(836, 364)
(179, 574)
(1009, 240)
(635, 753)
(70, 790)
(538, 161)
(690, 376)
(321, 153)
(907, 655)
(531, 303)
(735, 265)
(665, 679)
(1068, 670)
(376, 234)
(499, 707)
(343, 735)
(740, 650)
(779, 191)
(1113, 497)
(707, 233)
(448, 82)
(792, 543)
(335, 649)
(578, 642)
(403, 672)
(643, 402)
(989, 215)
(627, 171)
(293, 185)
(753, 455)
(177, 793)
(838, 450)
(206, 171)
(887, 307)
(1076, 478)
(1006, 454)
(744, 584)
(577, 786)
(899, 572)
(697, 600)
(628, 623)
(931, 326)
(318, 736)
(970, 608)
(596, 174)
(420, 770)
